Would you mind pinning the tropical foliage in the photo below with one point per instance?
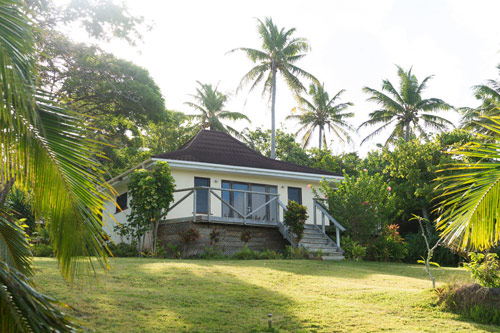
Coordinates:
(362, 203)
(405, 110)
(210, 103)
(280, 51)
(323, 113)
(152, 194)
(474, 119)
(469, 203)
(45, 148)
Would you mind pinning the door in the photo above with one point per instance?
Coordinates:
(258, 200)
(201, 195)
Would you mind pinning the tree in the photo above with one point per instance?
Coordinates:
(362, 203)
(405, 110)
(287, 149)
(152, 193)
(210, 103)
(469, 202)
(280, 51)
(322, 113)
(119, 98)
(474, 119)
(45, 148)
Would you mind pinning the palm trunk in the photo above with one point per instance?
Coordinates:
(320, 135)
(407, 132)
(273, 116)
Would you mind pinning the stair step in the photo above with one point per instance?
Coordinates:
(339, 256)
(315, 241)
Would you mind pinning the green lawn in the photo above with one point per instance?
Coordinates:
(154, 295)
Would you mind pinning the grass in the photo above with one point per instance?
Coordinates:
(154, 295)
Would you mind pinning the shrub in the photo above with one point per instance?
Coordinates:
(269, 254)
(296, 253)
(485, 269)
(245, 236)
(362, 204)
(295, 217)
(473, 301)
(353, 250)
(212, 253)
(174, 251)
(42, 250)
(124, 249)
(389, 246)
(245, 254)
(214, 236)
(189, 235)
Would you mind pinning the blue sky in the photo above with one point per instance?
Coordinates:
(354, 44)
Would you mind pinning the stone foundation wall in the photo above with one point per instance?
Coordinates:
(229, 237)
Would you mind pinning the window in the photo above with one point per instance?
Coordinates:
(295, 194)
(202, 195)
(121, 201)
(246, 203)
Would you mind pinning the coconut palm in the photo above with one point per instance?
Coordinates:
(405, 110)
(210, 103)
(280, 51)
(473, 119)
(322, 113)
(470, 201)
(43, 149)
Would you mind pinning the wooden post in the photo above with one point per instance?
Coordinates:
(194, 205)
(245, 206)
(337, 233)
(323, 221)
(209, 204)
(314, 210)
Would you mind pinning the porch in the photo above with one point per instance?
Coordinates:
(265, 209)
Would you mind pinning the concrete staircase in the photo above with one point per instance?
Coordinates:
(314, 240)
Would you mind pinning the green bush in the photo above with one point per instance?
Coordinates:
(362, 204)
(485, 269)
(212, 252)
(269, 254)
(353, 250)
(245, 254)
(296, 253)
(124, 249)
(42, 250)
(389, 246)
(295, 217)
(472, 301)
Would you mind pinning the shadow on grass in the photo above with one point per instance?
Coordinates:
(179, 297)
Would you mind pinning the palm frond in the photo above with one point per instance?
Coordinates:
(470, 201)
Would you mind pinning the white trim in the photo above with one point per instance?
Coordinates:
(201, 166)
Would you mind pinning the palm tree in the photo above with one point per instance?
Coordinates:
(469, 204)
(210, 103)
(45, 149)
(280, 51)
(405, 109)
(322, 113)
(473, 119)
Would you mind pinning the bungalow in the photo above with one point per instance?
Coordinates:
(229, 191)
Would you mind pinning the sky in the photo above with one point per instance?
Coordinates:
(353, 43)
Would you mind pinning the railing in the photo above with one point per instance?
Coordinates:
(247, 212)
(324, 213)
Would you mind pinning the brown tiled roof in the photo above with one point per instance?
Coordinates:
(220, 148)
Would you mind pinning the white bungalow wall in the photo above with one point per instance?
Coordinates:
(184, 178)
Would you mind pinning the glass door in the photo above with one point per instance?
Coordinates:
(256, 201)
